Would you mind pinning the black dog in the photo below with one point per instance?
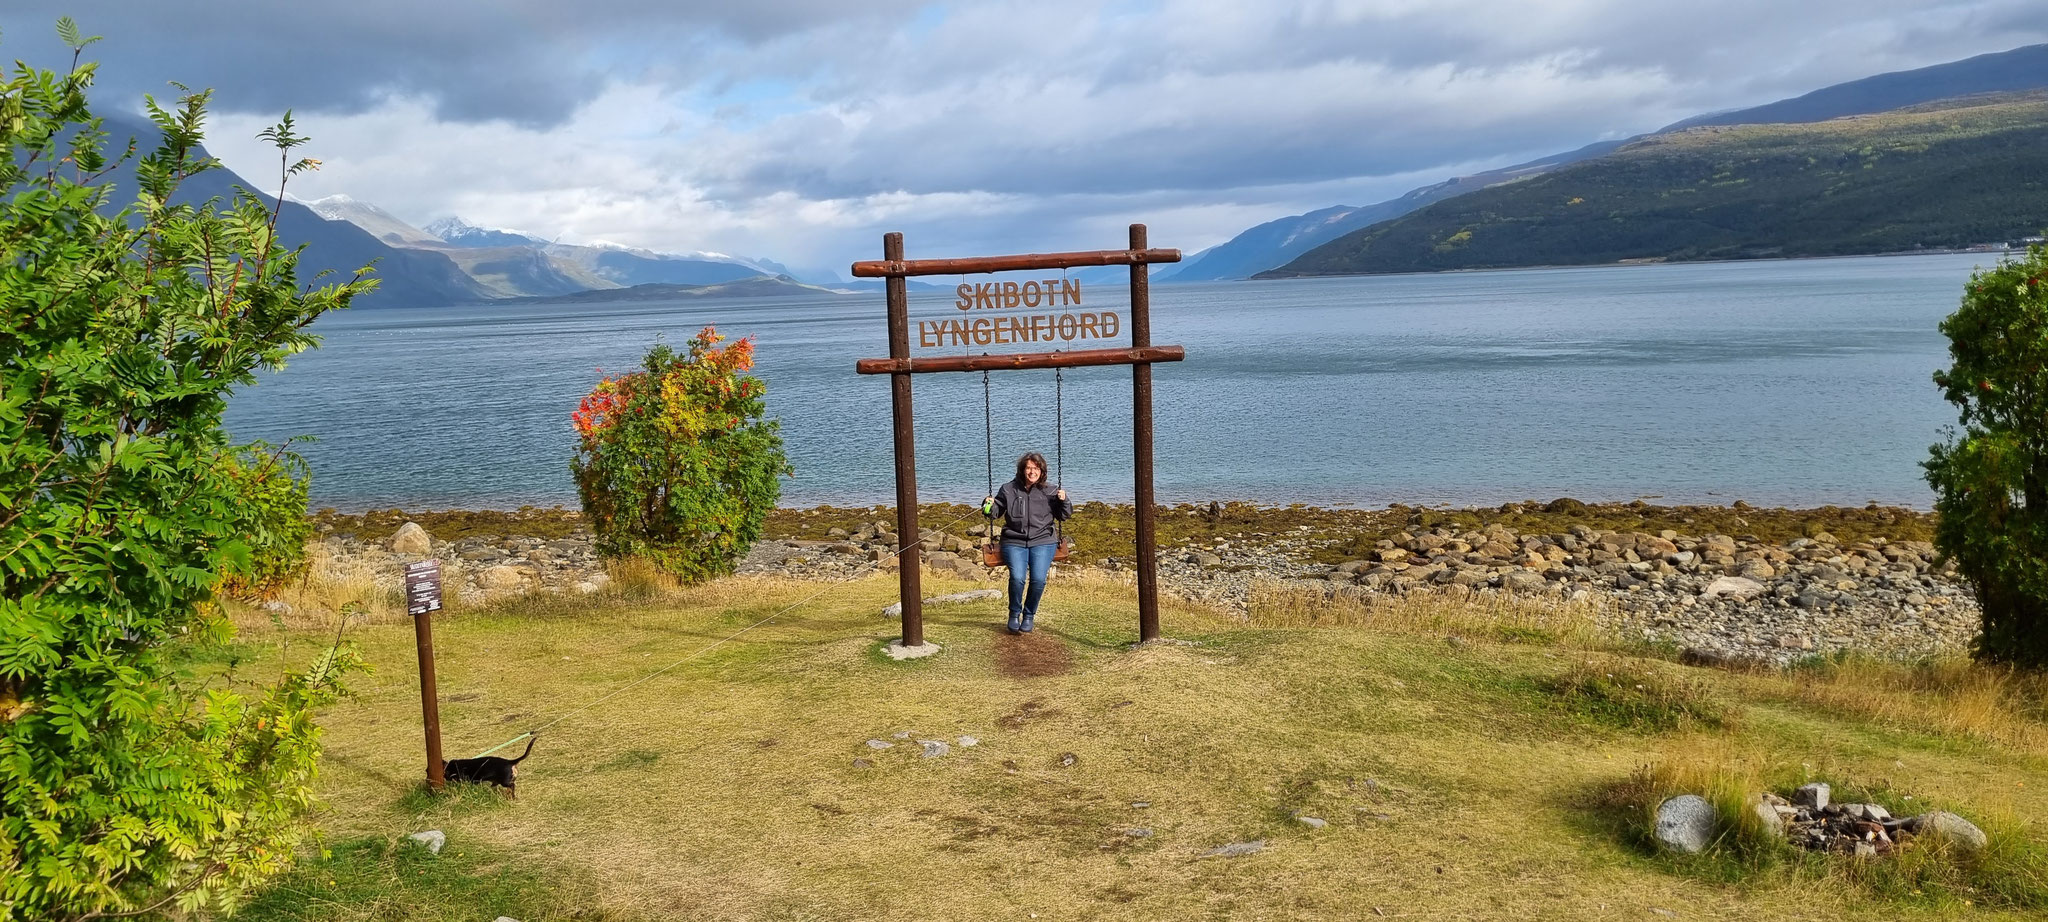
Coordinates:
(487, 769)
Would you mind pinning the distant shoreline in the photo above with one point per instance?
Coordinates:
(1621, 264)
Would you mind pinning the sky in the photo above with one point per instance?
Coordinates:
(802, 130)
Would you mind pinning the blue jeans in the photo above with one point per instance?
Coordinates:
(1023, 561)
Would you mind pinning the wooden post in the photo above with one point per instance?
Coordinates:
(911, 563)
(1141, 441)
(430, 708)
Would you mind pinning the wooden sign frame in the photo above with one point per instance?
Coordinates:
(899, 366)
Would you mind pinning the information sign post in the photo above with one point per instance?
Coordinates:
(422, 599)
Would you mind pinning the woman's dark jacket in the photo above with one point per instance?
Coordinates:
(1028, 514)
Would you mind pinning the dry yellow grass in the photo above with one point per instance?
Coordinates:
(730, 788)
(1448, 610)
(1952, 697)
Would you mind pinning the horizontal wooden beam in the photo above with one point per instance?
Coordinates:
(1021, 360)
(880, 268)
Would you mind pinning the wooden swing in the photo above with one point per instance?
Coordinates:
(991, 543)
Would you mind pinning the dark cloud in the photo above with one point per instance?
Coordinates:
(531, 62)
(788, 123)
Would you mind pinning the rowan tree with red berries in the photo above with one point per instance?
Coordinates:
(675, 462)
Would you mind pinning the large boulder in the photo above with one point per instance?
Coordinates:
(1739, 588)
(410, 538)
(1686, 823)
(1523, 581)
(501, 578)
(1942, 826)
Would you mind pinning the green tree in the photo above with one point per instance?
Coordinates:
(1991, 483)
(675, 462)
(271, 484)
(124, 788)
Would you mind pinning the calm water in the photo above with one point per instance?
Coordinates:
(1797, 382)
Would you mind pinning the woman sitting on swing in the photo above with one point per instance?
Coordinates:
(1030, 510)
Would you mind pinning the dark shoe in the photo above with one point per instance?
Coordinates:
(1013, 624)
(1027, 626)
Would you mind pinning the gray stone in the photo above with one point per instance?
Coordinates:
(1768, 818)
(1813, 796)
(895, 609)
(1739, 588)
(411, 539)
(1523, 581)
(1312, 822)
(433, 840)
(1686, 823)
(934, 748)
(968, 742)
(881, 744)
(501, 578)
(1943, 826)
(1236, 849)
(1871, 812)
(1139, 832)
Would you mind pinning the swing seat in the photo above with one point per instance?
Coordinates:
(992, 553)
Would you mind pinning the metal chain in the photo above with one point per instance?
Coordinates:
(1059, 444)
(989, 427)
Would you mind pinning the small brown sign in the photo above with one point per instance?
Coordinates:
(422, 587)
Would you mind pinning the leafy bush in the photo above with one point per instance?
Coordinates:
(675, 462)
(1991, 484)
(270, 510)
(122, 789)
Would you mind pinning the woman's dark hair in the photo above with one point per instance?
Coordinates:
(1032, 457)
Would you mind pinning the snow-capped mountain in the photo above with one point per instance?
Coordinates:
(454, 231)
(380, 223)
(509, 264)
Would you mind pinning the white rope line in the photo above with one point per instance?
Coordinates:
(724, 640)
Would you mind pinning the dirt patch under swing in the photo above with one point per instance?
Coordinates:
(1031, 656)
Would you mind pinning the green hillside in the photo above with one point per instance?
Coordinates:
(1937, 176)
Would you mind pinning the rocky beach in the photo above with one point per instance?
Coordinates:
(1714, 595)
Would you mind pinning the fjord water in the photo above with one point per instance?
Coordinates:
(1795, 382)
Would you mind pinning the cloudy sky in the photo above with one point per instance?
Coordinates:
(803, 129)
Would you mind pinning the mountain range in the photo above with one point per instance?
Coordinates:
(451, 261)
(1277, 243)
(1943, 175)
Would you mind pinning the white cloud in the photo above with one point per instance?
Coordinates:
(801, 129)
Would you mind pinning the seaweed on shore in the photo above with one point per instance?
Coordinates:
(1105, 530)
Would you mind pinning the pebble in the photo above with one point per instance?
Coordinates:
(1723, 597)
(1236, 849)
(433, 840)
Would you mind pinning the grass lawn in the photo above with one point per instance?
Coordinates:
(1483, 777)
